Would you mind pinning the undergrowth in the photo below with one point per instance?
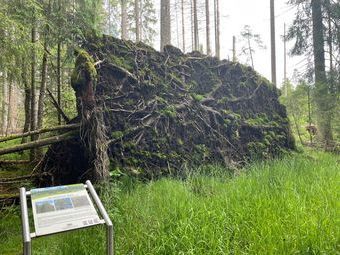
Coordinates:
(287, 206)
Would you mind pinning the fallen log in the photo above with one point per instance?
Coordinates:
(40, 131)
(39, 143)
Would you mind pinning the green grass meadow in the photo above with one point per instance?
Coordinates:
(287, 206)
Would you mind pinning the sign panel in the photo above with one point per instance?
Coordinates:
(62, 208)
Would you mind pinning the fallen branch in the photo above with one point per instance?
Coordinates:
(39, 143)
(40, 131)
(57, 106)
(122, 70)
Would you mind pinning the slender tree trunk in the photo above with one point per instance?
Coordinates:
(273, 46)
(321, 94)
(250, 53)
(196, 38)
(165, 24)
(207, 18)
(42, 90)
(177, 24)
(33, 71)
(137, 20)
(192, 25)
(183, 26)
(285, 60)
(141, 20)
(217, 29)
(234, 49)
(59, 79)
(309, 114)
(4, 104)
(27, 100)
(297, 129)
(9, 107)
(124, 19)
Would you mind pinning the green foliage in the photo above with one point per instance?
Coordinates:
(296, 102)
(169, 111)
(287, 206)
(197, 97)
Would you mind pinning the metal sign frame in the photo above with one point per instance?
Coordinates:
(27, 235)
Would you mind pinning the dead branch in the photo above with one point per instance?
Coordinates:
(40, 131)
(39, 143)
(57, 106)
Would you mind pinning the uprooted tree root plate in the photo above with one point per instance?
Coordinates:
(163, 111)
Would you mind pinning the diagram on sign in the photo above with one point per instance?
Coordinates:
(62, 208)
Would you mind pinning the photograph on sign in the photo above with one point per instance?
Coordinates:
(62, 208)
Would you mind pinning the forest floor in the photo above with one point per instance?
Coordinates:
(287, 206)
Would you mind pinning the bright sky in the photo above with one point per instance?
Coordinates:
(235, 14)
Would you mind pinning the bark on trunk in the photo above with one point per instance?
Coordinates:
(273, 45)
(165, 24)
(33, 100)
(4, 104)
(124, 20)
(321, 94)
(196, 38)
(137, 20)
(59, 79)
(9, 107)
(207, 17)
(217, 29)
(183, 25)
(42, 90)
(27, 100)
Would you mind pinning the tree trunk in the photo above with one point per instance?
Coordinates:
(4, 104)
(321, 90)
(9, 107)
(207, 17)
(38, 143)
(59, 79)
(234, 49)
(183, 25)
(137, 20)
(297, 129)
(42, 90)
(272, 36)
(124, 20)
(33, 70)
(40, 131)
(250, 53)
(217, 29)
(27, 100)
(196, 38)
(192, 25)
(309, 114)
(165, 24)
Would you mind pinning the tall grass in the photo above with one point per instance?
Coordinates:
(288, 206)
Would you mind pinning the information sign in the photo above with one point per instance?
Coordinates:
(62, 208)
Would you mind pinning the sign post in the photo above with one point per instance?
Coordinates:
(63, 208)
